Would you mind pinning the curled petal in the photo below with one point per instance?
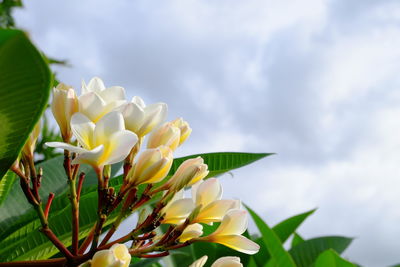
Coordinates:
(178, 211)
(208, 191)
(119, 145)
(92, 105)
(92, 157)
(237, 242)
(95, 85)
(233, 223)
(133, 116)
(216, 210)
(66, 146)
(191, 231)
(111, 94)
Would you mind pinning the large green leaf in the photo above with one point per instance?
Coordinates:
(20, 239)
(25, 81)
(5, 185)
(222, 162)
(330, 258)
(287, 227)
(279, 256)
(305, 254)
(297, 239)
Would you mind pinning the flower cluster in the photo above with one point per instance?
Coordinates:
(100, 127)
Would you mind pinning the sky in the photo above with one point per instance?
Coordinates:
(315, 81)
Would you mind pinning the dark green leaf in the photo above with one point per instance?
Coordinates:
(330, 258)
(5, 185)
(279, 256)
(305, 254)
(297, 239)
(25, 81)
(222, 162)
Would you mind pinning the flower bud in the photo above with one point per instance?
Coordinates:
(64, 105)
(152, 166)
(29, 147)
(184, 129)
(191, 231)
(227, 261)
(167, 135)
(188, 173)
(117, 256)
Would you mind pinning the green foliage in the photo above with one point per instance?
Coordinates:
(330, 258)
(305, 253)
(24, 91)
(297, 239)
(6, 8)
(279, 257)
(5, 185)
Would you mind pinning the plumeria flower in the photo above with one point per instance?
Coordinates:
(208, 194)
(142, 119)
(64, 105)
(177, 209)
(190, 232)
(152, 166)
(103, 143)
(167, 134)
(97, 100)
(184, 129)
(229, 233)
(117, 256)
(221, 262)
(188, 173)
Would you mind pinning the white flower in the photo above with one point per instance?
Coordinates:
(184, 129)
(64, 105)
(177, 209)
(97, 100)
(152, 166)
(167, 134)
(229, 233)
(141, 119)
(104, 143)
(208, 194)
(117, 256)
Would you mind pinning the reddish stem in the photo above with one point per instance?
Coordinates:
(162, 254)
(80, 184)
(48, 204)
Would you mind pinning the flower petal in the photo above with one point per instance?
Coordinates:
(133, 116)
(191, 231)
(83, 129)
(66, 146)
(96, 85)
(208, 191)
(109, 124)
(154, 115)
(237, 242)
(92, 105)
(234, 223)
(111, 94)
(227, 262)
(216, 210)
(119, 145)
(200, 262)
(179, 210)
(92, 157)
(138, 101)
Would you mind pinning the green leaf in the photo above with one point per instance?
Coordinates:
(297, 239)
(25, 81)
(279, 256)
(222, 162)
(330, 258)
(305, 254)
(20, 238)
(5, 185)
(287, 227)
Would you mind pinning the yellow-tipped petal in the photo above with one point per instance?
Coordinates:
(237, 242)
(216, 210)
(167, 135)
(233, 223)
(190, 232)
(208, 191)
(178, 211)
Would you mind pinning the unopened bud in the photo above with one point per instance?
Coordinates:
(184, 129)
(30, 144)
(167, 135)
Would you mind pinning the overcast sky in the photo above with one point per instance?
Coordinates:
(315, 81)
